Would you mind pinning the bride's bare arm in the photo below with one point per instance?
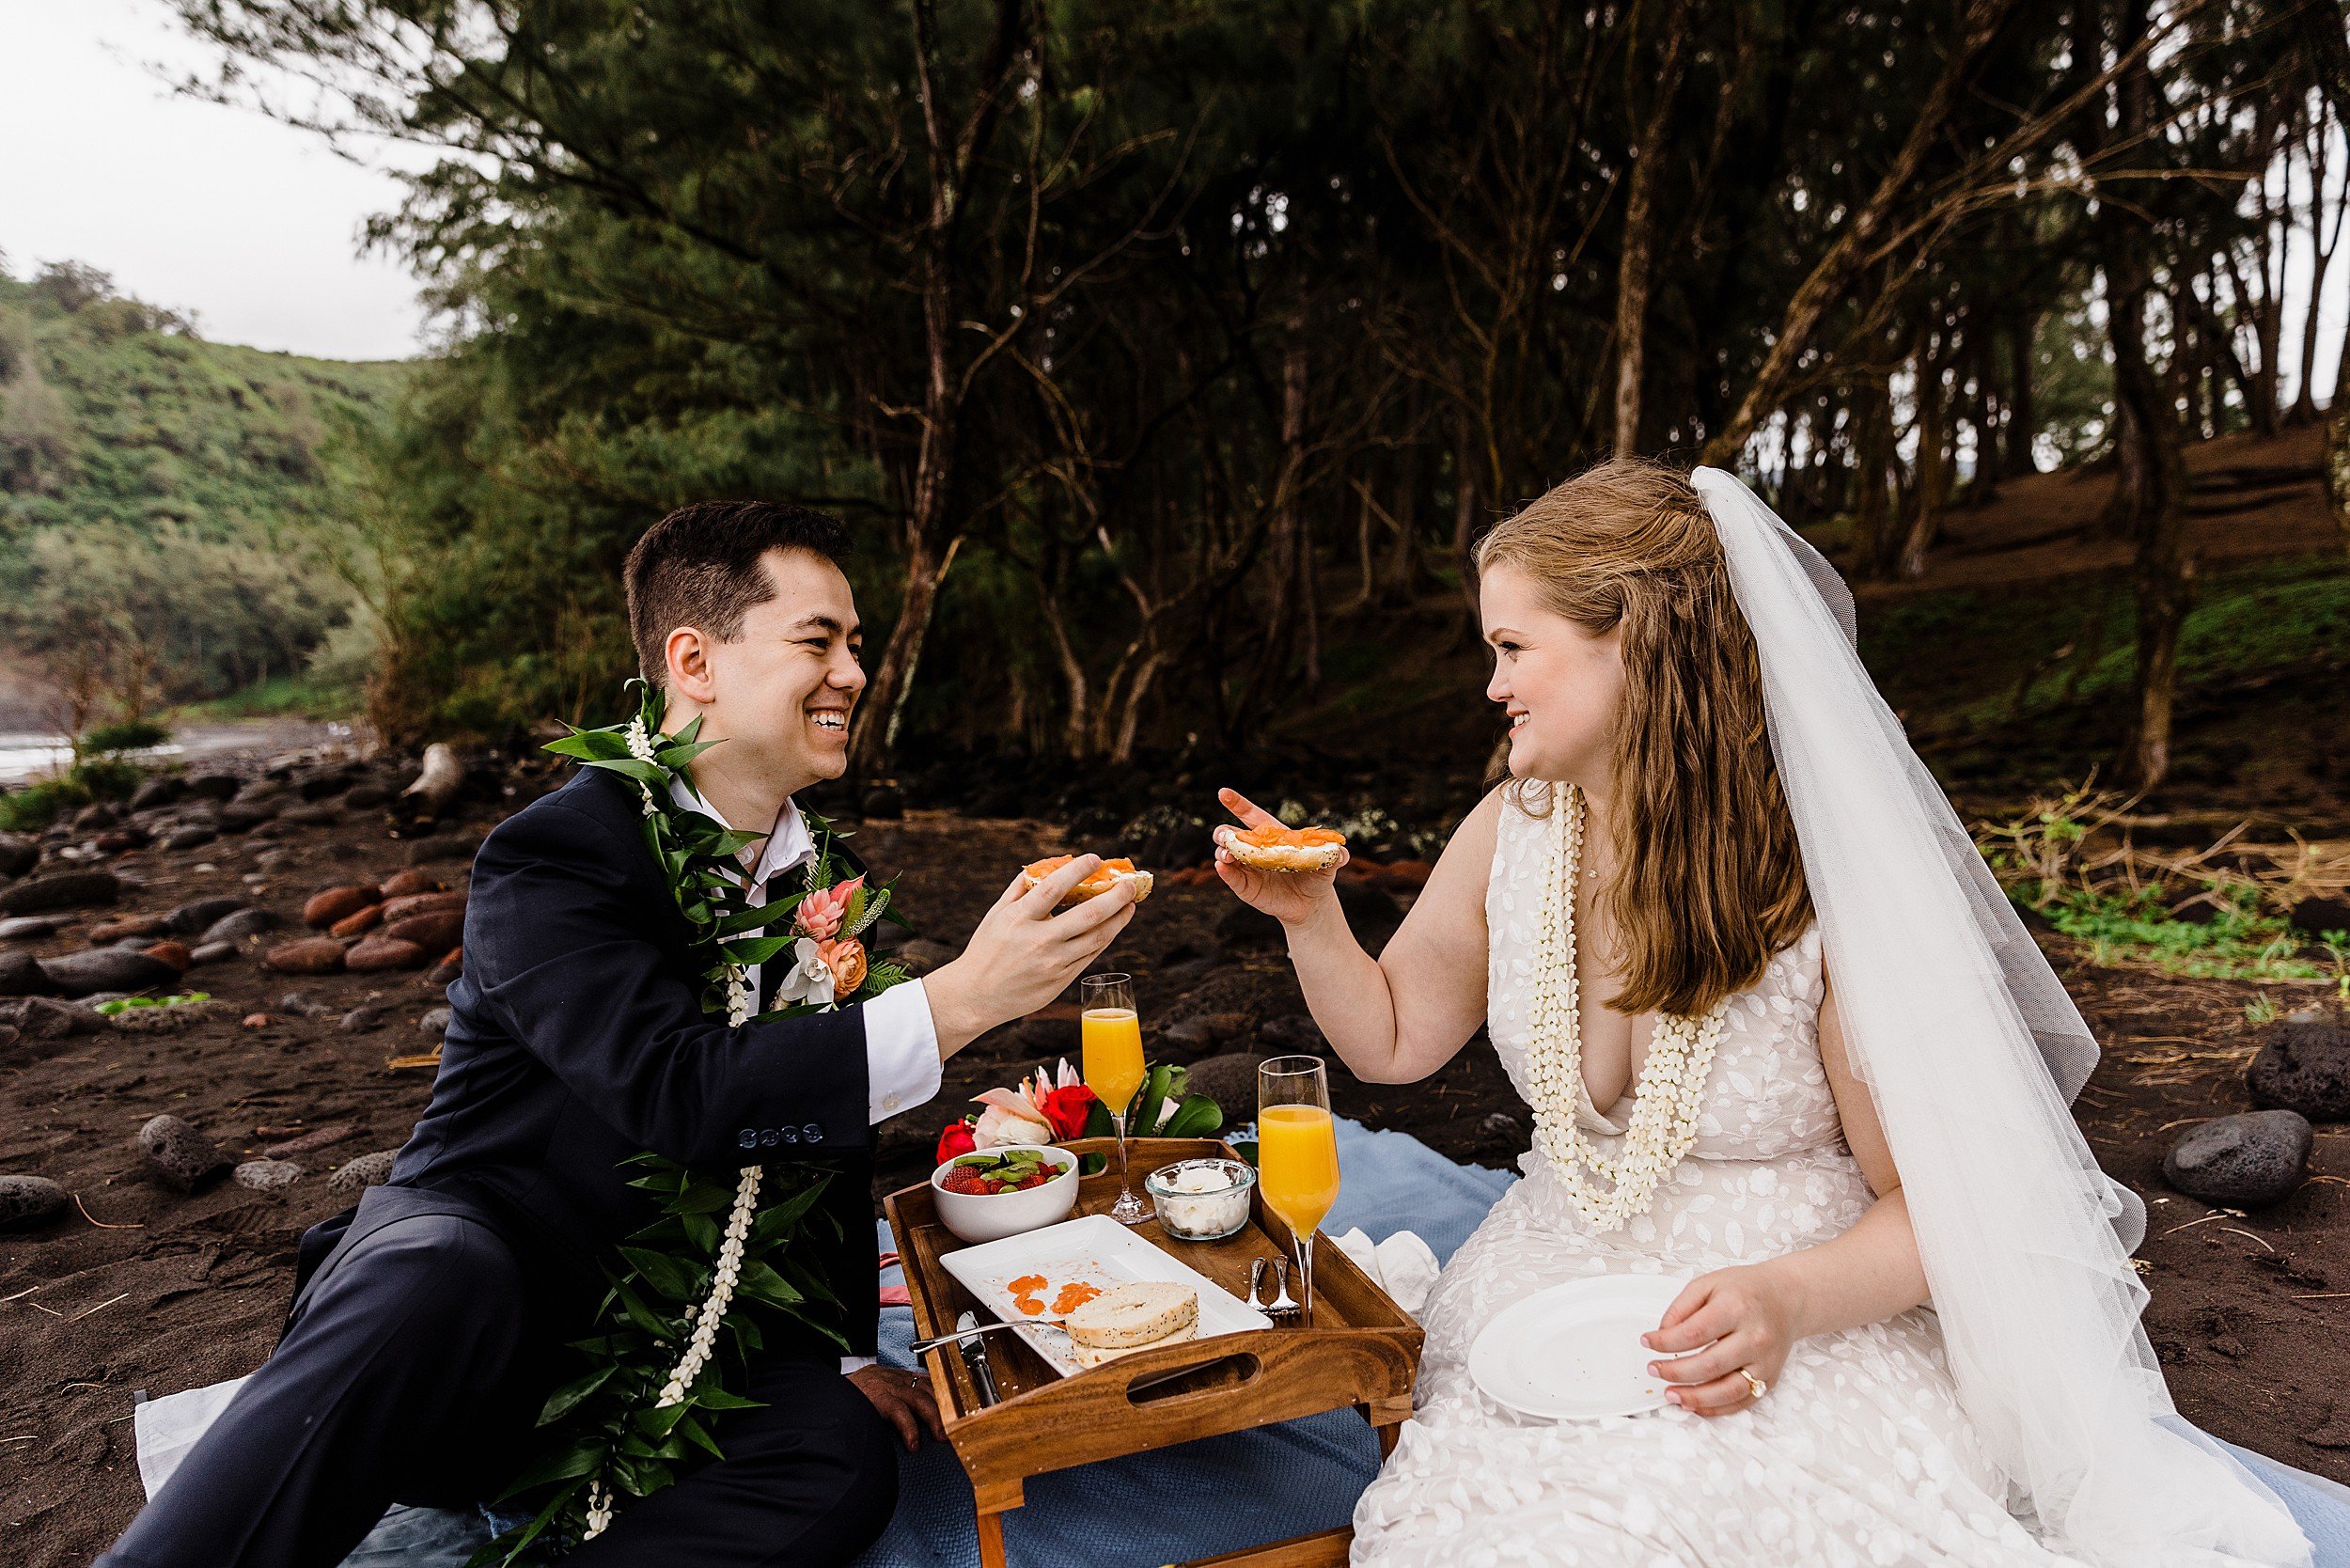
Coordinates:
(1751, 1317)
(1398, 1017)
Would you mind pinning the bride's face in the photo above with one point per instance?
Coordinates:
(1560, 683)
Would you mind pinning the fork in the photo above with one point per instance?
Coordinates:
(1282, 1305)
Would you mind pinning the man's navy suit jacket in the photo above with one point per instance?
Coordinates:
(576, 1038)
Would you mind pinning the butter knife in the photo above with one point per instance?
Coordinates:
(975, 1357)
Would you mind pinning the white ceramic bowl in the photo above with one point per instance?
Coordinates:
(978, 1216)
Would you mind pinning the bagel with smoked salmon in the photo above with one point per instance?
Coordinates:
(1274, 848)
(1109, 874)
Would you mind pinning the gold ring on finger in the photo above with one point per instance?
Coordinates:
(1753, 1382)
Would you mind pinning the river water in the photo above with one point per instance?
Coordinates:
(27, 757)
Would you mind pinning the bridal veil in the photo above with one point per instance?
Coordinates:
(1973, 1052)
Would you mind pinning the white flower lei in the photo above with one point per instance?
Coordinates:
(1671, 1086)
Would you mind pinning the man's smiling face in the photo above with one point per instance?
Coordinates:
(783, 690)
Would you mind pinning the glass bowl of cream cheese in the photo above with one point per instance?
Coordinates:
(1202, 1199)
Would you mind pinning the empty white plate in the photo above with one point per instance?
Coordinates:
(1573, 1353)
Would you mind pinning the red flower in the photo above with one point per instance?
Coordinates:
(954, 1141)
(1067, 1109)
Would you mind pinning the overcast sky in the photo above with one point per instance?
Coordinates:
(252, 225)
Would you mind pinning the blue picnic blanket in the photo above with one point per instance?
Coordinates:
(1219, 1494)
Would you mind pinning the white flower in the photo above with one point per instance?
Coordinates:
(741, 995)
(639, 742)
(811, 978)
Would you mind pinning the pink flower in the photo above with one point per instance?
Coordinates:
(820, 913)
(998, 1124)
(1038, 1111)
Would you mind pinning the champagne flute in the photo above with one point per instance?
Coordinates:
(1297, 1155)
(1110, 1030)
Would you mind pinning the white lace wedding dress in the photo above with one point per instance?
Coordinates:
(1859, 1455)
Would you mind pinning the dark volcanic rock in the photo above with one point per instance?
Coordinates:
(162, 790)
(2305, 1067)
(237, 927)
(106, 969)
(1230, 1081)
(316, 813)
(29, 1202)
(59, 890)
(193, 835)
(1189, 1038)
(451, 846)
(213, 786)
(243, 816)
(46, 1018)
(1243, 929)
(180, 1155)
(365, 796)
(195, 918)
(211, 952)
(1371, 913)
(2320, 916)
(21, 976)
(883, 804)
(26, 927)
(18, 854)
(2241, 1162)
(921, 955)
(301, 1004)
(366, 1016)
(434, 1022)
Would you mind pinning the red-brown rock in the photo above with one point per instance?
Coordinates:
(397, 910)
(336, 903)
(109, 932)
(408, 883)
(174, 953)
(435, 931)
(451, 965)
(359, 924)
(384, 953)
(309, 955)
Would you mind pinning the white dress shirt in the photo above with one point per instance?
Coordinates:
(901, 1065)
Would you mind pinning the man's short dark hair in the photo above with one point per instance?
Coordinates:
(700, 567)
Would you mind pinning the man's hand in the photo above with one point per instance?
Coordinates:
(905, 1400)
(1024, 955)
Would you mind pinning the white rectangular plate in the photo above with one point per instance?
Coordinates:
(1100, 1251)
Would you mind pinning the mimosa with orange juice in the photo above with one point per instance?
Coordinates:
(1109, 1031)
(1112, 1042)
(1297, 1164)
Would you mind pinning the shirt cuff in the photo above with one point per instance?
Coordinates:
(857, 1363)
(901, 1065)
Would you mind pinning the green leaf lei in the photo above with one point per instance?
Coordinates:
(675, 1332)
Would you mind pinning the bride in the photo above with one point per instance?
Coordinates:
(1783, 1037)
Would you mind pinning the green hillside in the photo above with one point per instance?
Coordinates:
(178, 518)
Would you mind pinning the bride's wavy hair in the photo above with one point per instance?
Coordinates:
(1708, 878)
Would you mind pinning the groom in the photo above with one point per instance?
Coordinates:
(430, 1323)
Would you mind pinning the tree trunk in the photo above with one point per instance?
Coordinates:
(1872, 456)
(1833, 274)
(1932, 490)
(2338, 445)
(1635, 267)
(2161, 577)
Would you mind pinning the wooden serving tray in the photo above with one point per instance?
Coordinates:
(1360, 1350)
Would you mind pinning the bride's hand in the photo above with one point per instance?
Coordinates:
(1730, 1319)
(1289, 897)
